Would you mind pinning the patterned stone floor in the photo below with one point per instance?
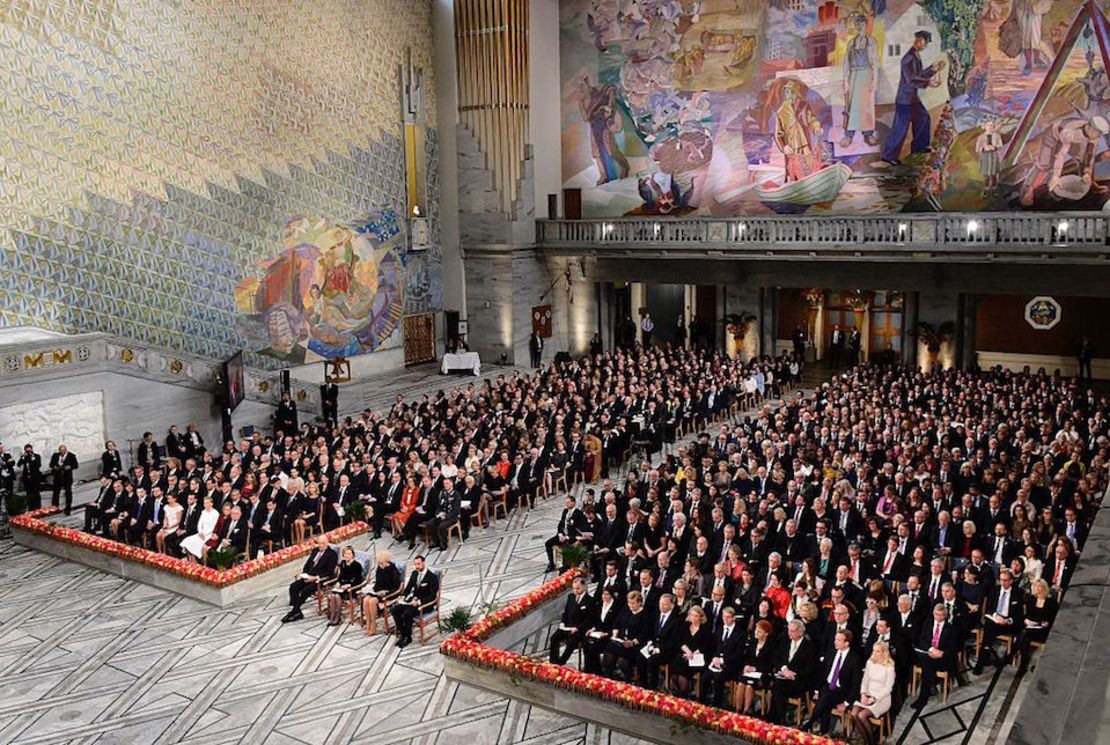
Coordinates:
(87, 657)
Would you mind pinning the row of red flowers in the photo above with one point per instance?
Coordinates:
(31, 521)
(468, 647)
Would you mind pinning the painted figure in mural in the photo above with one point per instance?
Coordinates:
(861, 67)
(797, 134)
(987, 147)
(1030, 17)
(1071, 139)
(908, 107)
(598, 105)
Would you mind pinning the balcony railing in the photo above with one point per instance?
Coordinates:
(1083, 236)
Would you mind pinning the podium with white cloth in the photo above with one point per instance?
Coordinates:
(469, 361)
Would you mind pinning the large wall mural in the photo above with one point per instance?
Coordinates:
(333, 291)
(159, 159)
(816, 106)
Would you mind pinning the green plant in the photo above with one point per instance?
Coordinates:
(933, 337)
(738, 324)
(224, 558)
(356, 511)
(575, 555)
(457, 621)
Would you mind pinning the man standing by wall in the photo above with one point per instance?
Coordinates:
(647, 325)
(535, 348)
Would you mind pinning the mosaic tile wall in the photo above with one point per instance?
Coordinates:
(153, 151)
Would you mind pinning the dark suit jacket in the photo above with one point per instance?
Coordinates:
(851, 675)
(325, 568)
(804, 662)
(949, 637)
(578, 613)
(425, 590)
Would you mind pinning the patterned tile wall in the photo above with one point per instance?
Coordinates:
(152, 151)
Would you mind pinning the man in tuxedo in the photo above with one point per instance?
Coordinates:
(562, 532)
(1003, 615)
(1000, 549)
(936, 648)
(319, 566)
(62, 465)
(794, 662)
(577, 615)
(727, 659)
(613, 581)
(855, 340)
(30, 468)
(420, 591)
(842, 673)
(535, 348)
(187, 527)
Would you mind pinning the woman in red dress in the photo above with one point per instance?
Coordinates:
(410, 497)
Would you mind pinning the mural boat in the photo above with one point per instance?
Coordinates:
(822, 186)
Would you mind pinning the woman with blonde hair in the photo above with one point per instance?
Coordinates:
(874, 691)
(384, 583)
(695, 642)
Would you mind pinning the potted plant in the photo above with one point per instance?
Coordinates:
(457, 621)
(738, 324)
(224, 558)
(356, 511)
(575, 555)
(934, 337)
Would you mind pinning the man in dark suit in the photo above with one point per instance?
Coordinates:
(319, 566)
(1000, 550)
(535, 348)
(892, 564)
(613, 581)
(936, 649)
(727, 659)
(562, 532)
(1058, 568)
(842, 673)
(577, 615)
(189, 519)
(793, 665)
(664, 641)
(30, 467)
(421, 590)
(836, 345)
(146, 455)
(95, 509)
(111, 464)
(329, 402)
(62, 465)
(447, 516)
(1003, 613)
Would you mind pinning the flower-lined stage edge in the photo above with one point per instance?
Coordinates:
(468, 647)
(32, 522)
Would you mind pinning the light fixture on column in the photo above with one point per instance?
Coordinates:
(902, 228)
(972, 226)
(418, 229)
(1062, 231)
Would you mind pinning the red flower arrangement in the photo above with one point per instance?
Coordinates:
(468, 647)
(31, 522)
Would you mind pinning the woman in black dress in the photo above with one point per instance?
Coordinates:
(1040, 612)
(695, 643)
(632, 629)
(600, 631)
(386, 582)
(347, 576)
(757, 666)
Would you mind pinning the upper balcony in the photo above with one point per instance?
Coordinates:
(1069, 238)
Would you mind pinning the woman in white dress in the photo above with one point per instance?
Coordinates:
(874, 691)
(193, 545)
(171, 518)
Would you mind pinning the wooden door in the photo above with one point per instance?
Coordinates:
(420, 338)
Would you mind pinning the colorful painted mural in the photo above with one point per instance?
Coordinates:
(334, 290)
(730, 107)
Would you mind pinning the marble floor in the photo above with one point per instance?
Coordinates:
(87, 657)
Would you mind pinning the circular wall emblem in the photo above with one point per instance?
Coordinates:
(1042, 312)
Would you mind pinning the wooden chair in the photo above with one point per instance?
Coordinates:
(429, 612)
(883, 724)
(321, 586)
(561, 479)
(392, 596)
(942, 676)
(355, 601)
(499, 502)
(1010, 641)
(803, 706)
(455, 529)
